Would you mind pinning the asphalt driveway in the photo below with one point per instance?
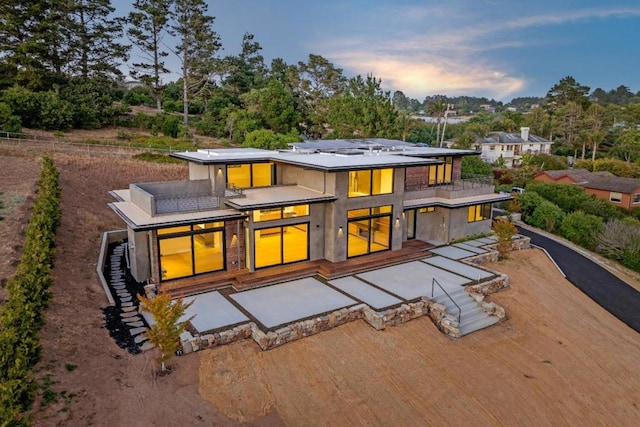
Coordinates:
(613, 294)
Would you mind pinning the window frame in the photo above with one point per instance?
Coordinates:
(615, 200)
(481, 212)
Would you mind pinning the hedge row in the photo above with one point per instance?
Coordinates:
(22, 316)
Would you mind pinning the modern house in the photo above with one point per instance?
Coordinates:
(619, 191)
(511, 146)
(250, 209)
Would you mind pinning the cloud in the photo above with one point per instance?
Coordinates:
(451, 51)
(418, 78)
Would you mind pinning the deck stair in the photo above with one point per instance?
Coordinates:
(472, 316)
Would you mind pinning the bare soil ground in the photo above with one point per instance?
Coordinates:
(558, 359)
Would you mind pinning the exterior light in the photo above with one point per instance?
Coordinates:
(340, 232)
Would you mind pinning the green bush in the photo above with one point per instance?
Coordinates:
(547, 216)
(8, 121)
(22, 316)
(529, 201)
(582, 229)
(268, 140)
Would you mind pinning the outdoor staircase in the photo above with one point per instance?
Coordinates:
(473, 317)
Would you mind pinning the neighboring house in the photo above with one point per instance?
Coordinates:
(621, 192)
(511, 146)
(250, 209)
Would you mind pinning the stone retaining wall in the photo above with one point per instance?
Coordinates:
(445, 322)
(295, 331)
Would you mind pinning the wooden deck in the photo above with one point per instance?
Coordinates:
(243, 279)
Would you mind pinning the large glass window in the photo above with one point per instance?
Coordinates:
(636, 198)
(410, 217)
(250, 175)
(479, 212)
(369, 230)
(191, 249)
(370, 182)
(281, 245)
(280, 213)
(441, 174)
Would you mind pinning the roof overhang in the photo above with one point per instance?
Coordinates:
(457, 202)
(278, 196)
(138, 220)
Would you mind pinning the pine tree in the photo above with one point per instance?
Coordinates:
(197, 46)
(148, 24)
(93, 46)
(165, 333)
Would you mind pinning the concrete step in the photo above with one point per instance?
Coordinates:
(471, 316)
(479, 324)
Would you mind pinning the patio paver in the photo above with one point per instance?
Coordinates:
(287, 302)
(412, 280)
(366, 293)
(452, 252)
(465, 270)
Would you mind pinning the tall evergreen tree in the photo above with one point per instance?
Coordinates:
(148, 24)
(197, 46)
(93, 39)
(363, 110)
(319, 81)
(245, 71)
(565, 91)
(33, 42)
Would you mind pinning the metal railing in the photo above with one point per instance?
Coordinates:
(185, 202)
(465, 183)
(435, 282)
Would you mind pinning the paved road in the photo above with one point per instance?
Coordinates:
(614, 295)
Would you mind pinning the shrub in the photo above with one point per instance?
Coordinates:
(22, 316)
(546, 216)
(529, 201)
(504, 230)
(268, 140)
(620, 240)
(8, 121)
(582, 229)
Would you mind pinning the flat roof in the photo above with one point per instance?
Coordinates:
(139, 220)
(331, 155)
(275, 196)
(457, 202)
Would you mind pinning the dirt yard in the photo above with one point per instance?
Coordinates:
(558, 359)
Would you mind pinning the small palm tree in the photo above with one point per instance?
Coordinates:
(165, 333)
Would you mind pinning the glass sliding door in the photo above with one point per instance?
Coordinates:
(369, 230)
(281, 245)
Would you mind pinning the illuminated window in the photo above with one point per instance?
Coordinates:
(368, 230)
(441, 174)
(370, 182)
(281, 245)
(615, 197)
(192, 249)
(250, 175)
(479, 212)
(427, 209)
(239, 176)
(280, 213)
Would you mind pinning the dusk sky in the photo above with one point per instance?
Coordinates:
(494, 48)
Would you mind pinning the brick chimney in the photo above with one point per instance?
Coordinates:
(524, 134)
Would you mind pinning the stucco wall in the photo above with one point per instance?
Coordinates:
(139, 254)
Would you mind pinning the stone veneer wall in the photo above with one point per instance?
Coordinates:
(305, 328)
(378, 320)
